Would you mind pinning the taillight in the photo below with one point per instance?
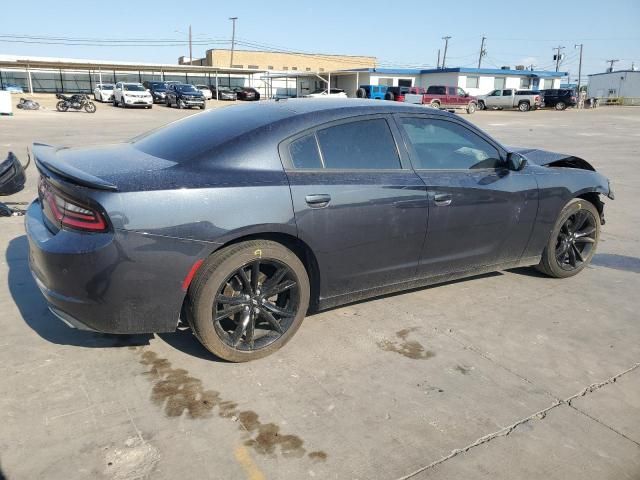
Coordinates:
(537, 98)
(69, 213)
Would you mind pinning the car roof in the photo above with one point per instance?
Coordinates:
(346, 106)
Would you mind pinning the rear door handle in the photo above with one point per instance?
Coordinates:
(442, 199)
(318, 200)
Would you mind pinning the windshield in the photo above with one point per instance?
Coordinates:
(320, 90)
(133, 87)
(186, 88)
(157, 85)
(105, 86)
(202, 87)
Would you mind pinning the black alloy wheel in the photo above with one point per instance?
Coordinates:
(248, 299)
(573, 240)
(256, 305)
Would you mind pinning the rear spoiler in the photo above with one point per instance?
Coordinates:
(47, 161)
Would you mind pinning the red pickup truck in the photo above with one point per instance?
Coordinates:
(438, 96)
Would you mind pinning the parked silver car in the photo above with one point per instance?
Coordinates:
(523, 100)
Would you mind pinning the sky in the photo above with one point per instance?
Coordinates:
(402, 35)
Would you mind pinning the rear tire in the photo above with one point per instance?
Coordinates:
(218, 278)
(566, 244)
(471, 108)
(62, 106)
(435, 104)
(389, 96)
(524, 106)
(361, 93)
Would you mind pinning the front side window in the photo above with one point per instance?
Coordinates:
(507, 93)
(443, 145)
(365, 144)
(495, 93)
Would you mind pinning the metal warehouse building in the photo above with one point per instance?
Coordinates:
(621, 86)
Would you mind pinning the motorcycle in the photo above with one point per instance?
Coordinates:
(27, 104)
(77, 102)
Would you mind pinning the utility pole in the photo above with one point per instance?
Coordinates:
(483, 52)
(190, 48)
(438, 64)
(558, 56)
(233, 39)
(611, 62)
(579, 65)
(444, 55)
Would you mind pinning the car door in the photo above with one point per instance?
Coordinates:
(480, 213)
(493, 98)
(461, 98)
(357, 203)
(506, 100)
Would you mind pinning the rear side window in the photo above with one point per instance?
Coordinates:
(437, 90)
(304, 152)
(366, 144)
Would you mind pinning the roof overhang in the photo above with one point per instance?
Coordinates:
(15, 61)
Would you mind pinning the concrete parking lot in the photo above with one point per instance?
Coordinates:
(505, 376)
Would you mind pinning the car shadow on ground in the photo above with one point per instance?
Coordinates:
(617, 262)
(33, 307)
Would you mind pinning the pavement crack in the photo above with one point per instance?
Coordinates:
(604, 425)
(479, 352)
(539, 415)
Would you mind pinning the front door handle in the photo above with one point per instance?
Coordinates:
(442, 199)
(318, 200)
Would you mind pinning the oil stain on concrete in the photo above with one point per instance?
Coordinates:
(179, 393)
(408, 348)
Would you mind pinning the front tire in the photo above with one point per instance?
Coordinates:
(560, 106)
(90, 107)
(248, 300)
(573, 240)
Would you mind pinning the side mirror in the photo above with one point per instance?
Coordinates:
(515, 161)
(466, 94)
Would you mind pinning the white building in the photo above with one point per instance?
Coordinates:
(475, 81)
(622, 84)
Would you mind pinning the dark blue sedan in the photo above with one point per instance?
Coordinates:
(239, 221)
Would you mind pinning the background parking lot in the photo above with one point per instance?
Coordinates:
(508, 375)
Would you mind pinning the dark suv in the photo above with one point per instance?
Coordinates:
(559, 98)
(184, 96)
(158, 91)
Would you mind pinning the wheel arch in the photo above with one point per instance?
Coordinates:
(302, 250)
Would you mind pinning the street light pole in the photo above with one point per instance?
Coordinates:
(190, 48)
(579, 66)
(233, 38)
(446, 44)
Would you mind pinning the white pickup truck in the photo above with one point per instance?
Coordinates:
(523, 100)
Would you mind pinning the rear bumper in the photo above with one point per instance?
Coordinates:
(113, 282)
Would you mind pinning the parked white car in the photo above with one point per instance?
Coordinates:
(103, 92)
(131, 95)
(206, 91)
(322, 93)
